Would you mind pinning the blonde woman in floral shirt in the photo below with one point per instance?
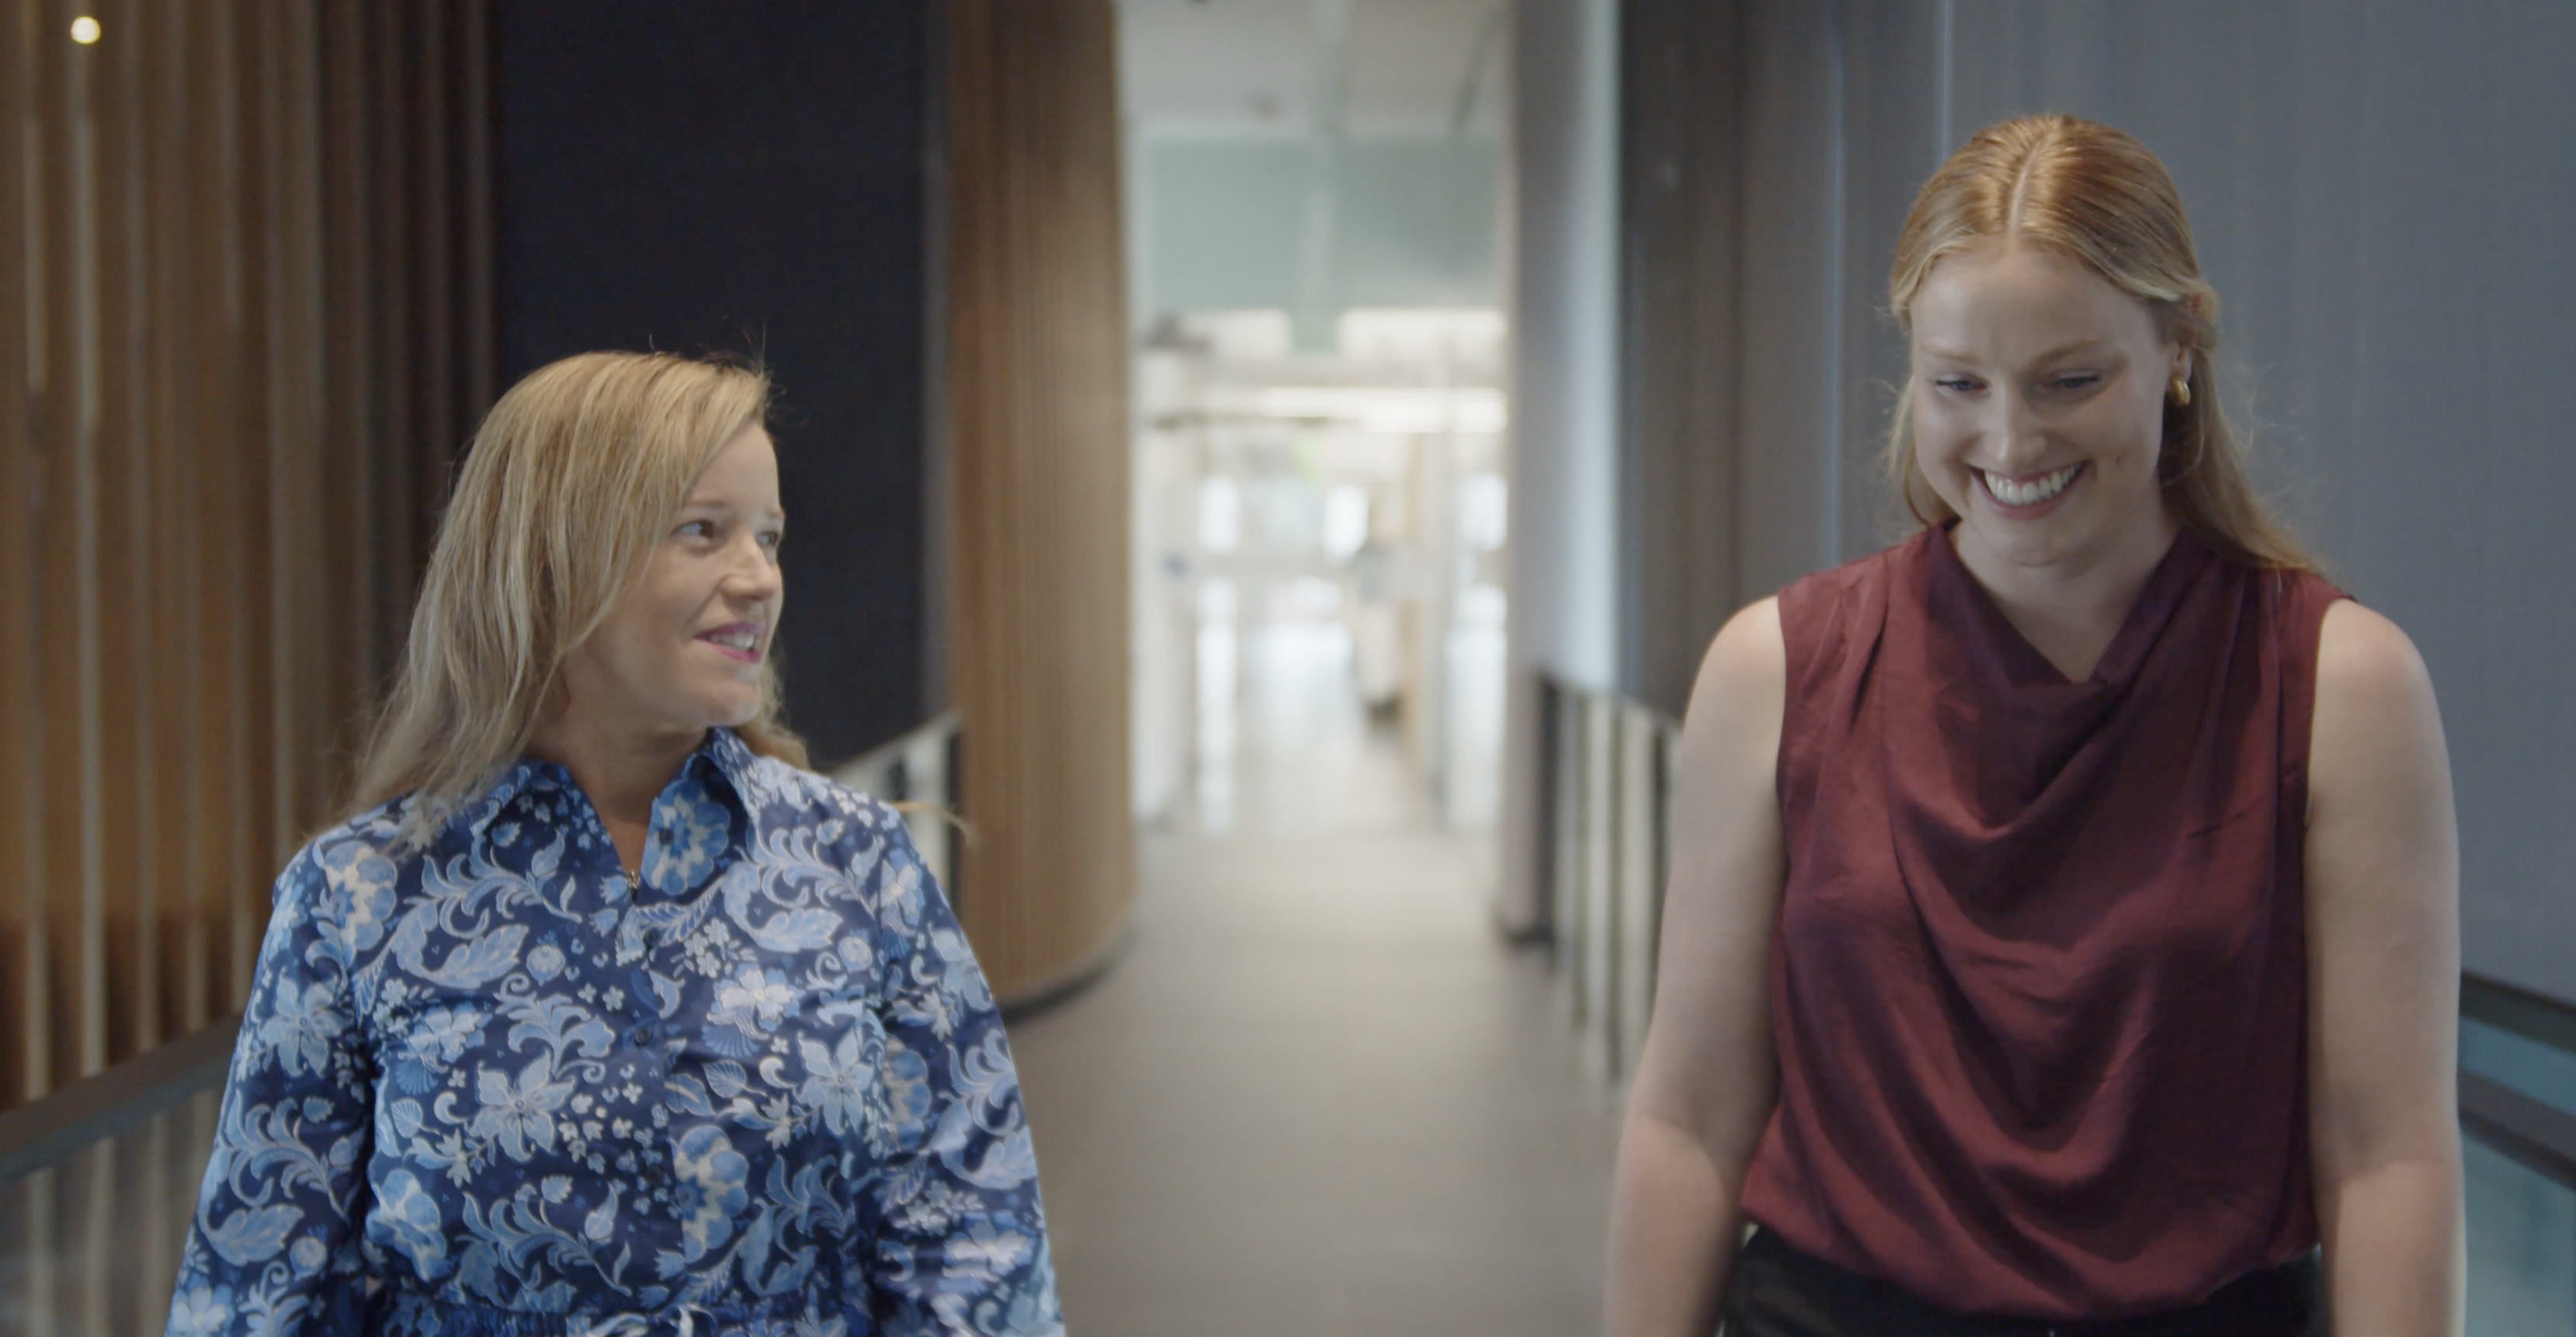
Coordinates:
(601, 1014)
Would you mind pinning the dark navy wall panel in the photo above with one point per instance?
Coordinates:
(749, 178)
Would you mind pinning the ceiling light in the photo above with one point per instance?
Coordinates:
(85, 30)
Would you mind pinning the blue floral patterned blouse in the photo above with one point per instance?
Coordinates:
(488, 1088)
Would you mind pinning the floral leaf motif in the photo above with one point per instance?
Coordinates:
(542, 865)
(517, 1116)
(480, 961)
(986, 1251)
(560, 1023)
(443, 1033)
(602, 1221)
(754, 1252)
(710, 1190)
(690, 844)
(353, 916)
(200, 1311)
(1007, 1164)
(755, 1000)
(406, 1218)
(253, 1235)
(725, 1078)
(792, 931)
(301, 1026)
(666, 993)
(837, 1082)
(686, 1094)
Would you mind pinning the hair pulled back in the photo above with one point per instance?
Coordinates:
(2092, 192)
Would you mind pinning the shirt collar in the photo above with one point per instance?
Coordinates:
(723, 760)
(726, 758)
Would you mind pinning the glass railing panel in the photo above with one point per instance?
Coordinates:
(2534, 1067)
(2522, 1249)
(89, 1244)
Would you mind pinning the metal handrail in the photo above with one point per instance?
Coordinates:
(55, 1126)
(889, 756)
(2539, 1135)
(916, 771)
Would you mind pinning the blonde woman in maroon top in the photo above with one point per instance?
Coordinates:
(2062, 928)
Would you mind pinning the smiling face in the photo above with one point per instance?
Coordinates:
(688, 648)
(2038, 399)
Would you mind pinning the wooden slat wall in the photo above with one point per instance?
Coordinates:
(250, 329)
(1037, 384)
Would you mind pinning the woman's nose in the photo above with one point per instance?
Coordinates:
(754, 570)
(2018, 438)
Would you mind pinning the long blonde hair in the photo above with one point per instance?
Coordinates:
(2091, 192)
(567, 490)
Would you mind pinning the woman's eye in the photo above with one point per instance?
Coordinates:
(697, 529)
(773, 540)
(1957, 385)
(2084, 381)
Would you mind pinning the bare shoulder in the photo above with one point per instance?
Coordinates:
(2376, 736)
(1731, 737)
(2374, 696)
(1746, 667)
(2364, 657)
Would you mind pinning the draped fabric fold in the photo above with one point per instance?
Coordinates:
(2039, 980)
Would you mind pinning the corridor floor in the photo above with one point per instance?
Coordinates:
(1318, 1095)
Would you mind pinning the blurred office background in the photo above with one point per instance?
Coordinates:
(1270, 465)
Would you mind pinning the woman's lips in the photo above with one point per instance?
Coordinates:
(739, 641)
(2031, 496)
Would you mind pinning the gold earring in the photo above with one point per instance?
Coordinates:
(2181, 391)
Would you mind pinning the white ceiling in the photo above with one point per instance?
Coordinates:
(1221, 67)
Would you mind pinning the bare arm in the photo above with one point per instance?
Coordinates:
(1706, 1082)
(2383, 874)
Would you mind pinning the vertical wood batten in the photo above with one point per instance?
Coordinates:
(76, 398)
(161, 755)
(275, 649)
(217, 752)
(253, 635)
(396, 425)
(123, 494)
(348, 472)
(65, 744)
(304, 520)
(191, 437)
(21, 897)
(1039, 486)
(211, 473)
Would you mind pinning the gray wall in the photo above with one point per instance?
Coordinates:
(2381, 195)
(1564, 305)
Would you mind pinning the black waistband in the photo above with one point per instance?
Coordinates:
(1777, 1291)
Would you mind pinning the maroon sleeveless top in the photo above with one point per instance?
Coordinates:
(2038, 987)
